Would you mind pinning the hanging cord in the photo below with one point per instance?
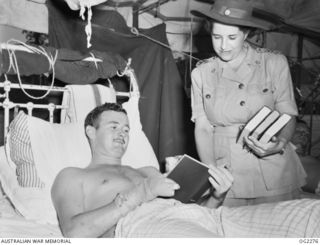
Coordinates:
(14, 64)
(88, 29)
(137, 33)
(94, 59)
(125, 72)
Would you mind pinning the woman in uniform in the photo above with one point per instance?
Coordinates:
(229, 89)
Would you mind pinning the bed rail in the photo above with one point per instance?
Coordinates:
(8, 104)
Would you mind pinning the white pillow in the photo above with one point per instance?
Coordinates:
(53, 147)
(32, 203)
(139, 152)
(56, 146)
(81, 99)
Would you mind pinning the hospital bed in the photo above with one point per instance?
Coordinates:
(35, 150)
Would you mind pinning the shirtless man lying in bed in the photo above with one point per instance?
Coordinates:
(106, 199)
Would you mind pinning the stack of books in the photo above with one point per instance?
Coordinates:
(193, 176)
(265, 124)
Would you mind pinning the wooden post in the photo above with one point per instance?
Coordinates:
(300, 54)
(135, 15)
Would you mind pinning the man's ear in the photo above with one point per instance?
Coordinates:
(90, 132)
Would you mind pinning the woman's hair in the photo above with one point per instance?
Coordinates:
(245, 29)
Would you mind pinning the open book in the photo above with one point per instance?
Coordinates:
(264, 125)
(193, 178)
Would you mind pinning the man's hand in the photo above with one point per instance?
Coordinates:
(221, 180)
(144, 191)
(162, 186)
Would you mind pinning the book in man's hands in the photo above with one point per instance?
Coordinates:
(264, 125)
(193, 178)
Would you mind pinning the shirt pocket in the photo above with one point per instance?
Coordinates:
(260, 94)
(208, 100)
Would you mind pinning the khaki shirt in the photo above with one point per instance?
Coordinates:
(229, 99)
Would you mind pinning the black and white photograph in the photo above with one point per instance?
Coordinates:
(159, 119)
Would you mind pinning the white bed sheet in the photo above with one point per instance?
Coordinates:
(14, 225)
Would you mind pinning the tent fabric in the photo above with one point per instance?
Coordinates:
(305, 14)
(25, 14)
(300, 13)
(69, 66)
(162, 99)
(32, 15)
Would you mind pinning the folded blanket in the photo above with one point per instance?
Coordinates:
(81, 99)
(170, 218)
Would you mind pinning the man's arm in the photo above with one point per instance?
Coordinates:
(76, 221)
(150, 171)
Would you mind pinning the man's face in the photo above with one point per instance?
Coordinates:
(112, 134)
(227, 41)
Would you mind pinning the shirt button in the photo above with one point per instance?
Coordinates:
(241, 86)
(242, 103)
(208, 96)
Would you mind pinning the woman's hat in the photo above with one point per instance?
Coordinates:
(233, 12)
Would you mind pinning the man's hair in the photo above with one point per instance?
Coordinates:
(92, 119)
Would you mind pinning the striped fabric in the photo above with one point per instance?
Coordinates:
(27, 176)
(168, 218)
(21, 152)
(295, 218)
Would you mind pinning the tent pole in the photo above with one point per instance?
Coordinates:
(135, 15)
(300, 56)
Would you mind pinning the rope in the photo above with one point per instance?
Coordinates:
(14, 65)
(137, 33)
(94, 60)
(88, 28)
(125, 69)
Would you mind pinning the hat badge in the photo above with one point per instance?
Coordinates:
(227, 12)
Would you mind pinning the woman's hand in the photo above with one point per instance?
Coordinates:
(221, 180)
(276, 145)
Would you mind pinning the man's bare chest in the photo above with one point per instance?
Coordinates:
(101, 187)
